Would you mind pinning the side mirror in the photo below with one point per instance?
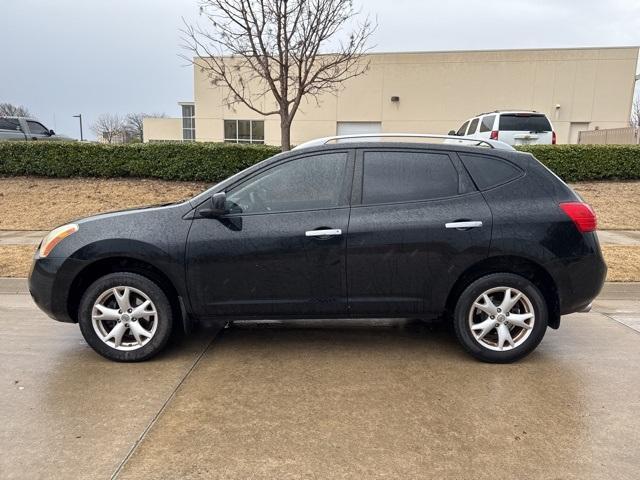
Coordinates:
(215, 207)
(51, 133)
(452, 133)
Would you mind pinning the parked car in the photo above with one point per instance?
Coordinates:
(517, 127)
(487, 238)
(21, 128)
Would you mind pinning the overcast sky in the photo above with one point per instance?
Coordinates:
(65, 57)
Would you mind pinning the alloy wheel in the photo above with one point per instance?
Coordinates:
(501, 318)
(124, 318)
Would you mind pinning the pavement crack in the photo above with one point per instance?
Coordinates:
(619, 322)
(161, 410)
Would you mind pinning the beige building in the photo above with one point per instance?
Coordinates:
(431, 92)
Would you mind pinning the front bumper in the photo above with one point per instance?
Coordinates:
(50, 282)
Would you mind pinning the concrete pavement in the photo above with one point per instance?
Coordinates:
(21, 237)
(352, 399)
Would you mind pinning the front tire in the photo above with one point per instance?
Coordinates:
(500, 318)
(125, 317)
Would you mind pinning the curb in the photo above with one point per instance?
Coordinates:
(13, 285)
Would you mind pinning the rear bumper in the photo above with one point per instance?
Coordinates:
(586, 309)
(579, 281)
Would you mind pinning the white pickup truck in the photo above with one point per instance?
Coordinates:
(21, 128)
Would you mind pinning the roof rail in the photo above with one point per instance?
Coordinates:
(510, 110)
(373, 136)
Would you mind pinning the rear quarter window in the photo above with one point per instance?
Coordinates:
(487, 123)
(488, 171)
(9, 124)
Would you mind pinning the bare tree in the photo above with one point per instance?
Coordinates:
(635, 113)
(108, 126)
(10, 110)
(133, 124)
(259, 47)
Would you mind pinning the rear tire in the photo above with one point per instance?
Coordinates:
(500, 318)
(125, 317)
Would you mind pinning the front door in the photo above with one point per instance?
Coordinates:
(407, 242)
(37, 131)
(280, 251)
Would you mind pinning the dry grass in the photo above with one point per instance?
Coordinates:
(617, 204)
(28, 203)
(623, 262)
(15, 260)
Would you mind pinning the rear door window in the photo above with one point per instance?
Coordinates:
(488, 171)
(487, 123)
(473, 126)
(399, 176)
(524, 122)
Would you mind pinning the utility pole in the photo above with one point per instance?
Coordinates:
(79, 116)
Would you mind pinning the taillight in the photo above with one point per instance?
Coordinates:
(582, 215)
(494, 135)
(553, 138)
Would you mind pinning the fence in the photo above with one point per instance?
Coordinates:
(610, 136)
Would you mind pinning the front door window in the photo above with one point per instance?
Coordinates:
(308, 183)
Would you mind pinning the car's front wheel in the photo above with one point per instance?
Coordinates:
(125, 317)
(500, 318)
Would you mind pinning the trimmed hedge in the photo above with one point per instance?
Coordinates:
(208, 162)
(212, 162)
(575, 163)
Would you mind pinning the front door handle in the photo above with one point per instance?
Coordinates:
(465, 224)
(329, 232)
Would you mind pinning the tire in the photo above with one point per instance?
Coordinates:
(490, 342)
(113, 332)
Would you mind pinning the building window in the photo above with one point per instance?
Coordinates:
(244, 131)
(188, 123)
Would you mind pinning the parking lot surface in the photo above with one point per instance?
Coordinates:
(375, 399)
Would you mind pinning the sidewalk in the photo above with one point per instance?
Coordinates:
(21, 237)
(33, 237)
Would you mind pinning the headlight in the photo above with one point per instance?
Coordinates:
(55, 237)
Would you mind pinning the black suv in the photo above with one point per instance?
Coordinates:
(488, 239)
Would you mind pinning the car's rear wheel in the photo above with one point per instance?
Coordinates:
(125, 317)
(500, 318)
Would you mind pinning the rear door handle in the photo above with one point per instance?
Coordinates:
(329, 232)
(467, 224)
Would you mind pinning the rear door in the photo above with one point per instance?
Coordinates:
(525, 128)
(473, 128)
(417, 222)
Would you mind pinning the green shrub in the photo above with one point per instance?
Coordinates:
(212, 162)
(589, 162)
(209, 162)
